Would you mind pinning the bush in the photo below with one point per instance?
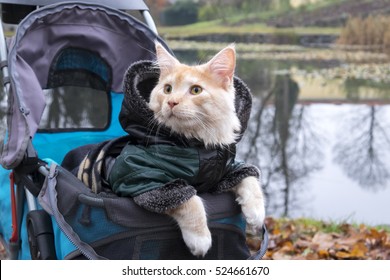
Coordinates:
(181, 13)
(208, 12)
(371, 31)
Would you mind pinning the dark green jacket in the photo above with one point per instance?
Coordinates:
(139, 169)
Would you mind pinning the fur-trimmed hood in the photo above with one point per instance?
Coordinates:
(138, 120)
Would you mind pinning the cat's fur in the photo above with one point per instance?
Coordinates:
(210, 117)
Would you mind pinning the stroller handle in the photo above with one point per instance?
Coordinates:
(3, 57)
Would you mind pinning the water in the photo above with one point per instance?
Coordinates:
(322, 143)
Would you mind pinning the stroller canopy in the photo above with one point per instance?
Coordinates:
(51, 41)
(117, 4)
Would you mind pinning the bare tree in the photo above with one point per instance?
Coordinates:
(283, 141)
(363, 146)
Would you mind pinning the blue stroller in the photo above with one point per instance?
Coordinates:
(63, 73)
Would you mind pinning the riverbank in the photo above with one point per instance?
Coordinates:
(357, 54)
(217, 31)
(306, 239)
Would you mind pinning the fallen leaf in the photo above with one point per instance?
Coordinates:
(376, 238)
(323, 254)
(304, 244)
(359, 250)
(323, 240)
(343, 255)
(294, 239)
(276, 231)
(287, 247)
(253, 245)
(281, 256)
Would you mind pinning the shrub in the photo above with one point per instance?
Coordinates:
(181, 13)
(208, 12)
(371, 31)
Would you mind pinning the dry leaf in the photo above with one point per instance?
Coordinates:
(343, 255)
(359, 250)
(290, 239)
(323, 240)
(323, 254)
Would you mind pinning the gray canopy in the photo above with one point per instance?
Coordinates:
(118, 38)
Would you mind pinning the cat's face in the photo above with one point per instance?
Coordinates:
(197, 101)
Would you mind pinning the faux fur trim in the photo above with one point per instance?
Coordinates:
(167, 197)
(235, 177)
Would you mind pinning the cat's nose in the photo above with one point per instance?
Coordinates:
(172, 104)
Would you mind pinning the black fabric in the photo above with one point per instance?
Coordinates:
(214, 165)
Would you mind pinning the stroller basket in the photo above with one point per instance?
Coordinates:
(100, 224)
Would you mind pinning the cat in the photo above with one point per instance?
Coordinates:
(198, 102)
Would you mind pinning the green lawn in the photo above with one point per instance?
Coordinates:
(217, 27)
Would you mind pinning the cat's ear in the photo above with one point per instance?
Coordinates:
(165, 60)
(222, 65)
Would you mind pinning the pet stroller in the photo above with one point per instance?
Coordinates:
(62, 74)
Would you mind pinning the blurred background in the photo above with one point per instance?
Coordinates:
(319, 72)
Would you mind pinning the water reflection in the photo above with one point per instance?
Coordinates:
(284, 142)
(362, 149)
(72, 107)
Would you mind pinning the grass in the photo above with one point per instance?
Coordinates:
(328, 226)
(312, 239)
(241, 22)
(217, 27)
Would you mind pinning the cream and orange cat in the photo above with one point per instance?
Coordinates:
(198, 102)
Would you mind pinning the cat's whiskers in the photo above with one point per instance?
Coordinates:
(151, 127)
(201, 128)
(196, 113)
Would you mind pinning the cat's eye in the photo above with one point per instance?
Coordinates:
(195, 90)
(167, 89)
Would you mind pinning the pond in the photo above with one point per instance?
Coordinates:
(321, 138)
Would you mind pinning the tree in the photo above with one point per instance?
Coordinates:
(181, 13)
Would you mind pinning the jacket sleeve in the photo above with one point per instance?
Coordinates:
(167, 197)
(238, 171)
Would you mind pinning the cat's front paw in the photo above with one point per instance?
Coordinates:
(254, 213)
(251, 199)
(198, 243)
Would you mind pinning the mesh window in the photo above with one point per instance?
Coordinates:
(77, 94)
(75, 108)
